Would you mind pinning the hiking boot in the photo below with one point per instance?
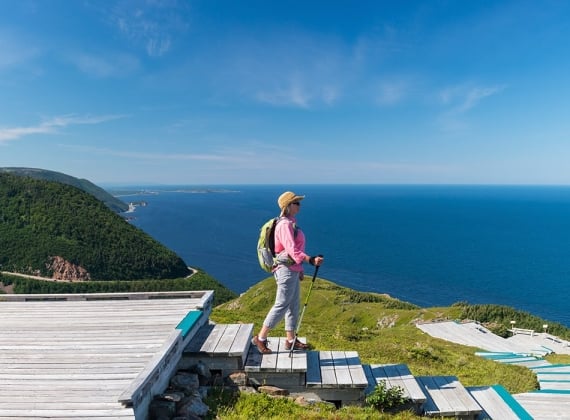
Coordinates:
(261, 345)
(298, 345)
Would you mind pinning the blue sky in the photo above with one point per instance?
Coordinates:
(292, 92)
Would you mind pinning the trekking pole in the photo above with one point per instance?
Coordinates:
(303, 311)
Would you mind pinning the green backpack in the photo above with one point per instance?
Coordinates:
(266, 245)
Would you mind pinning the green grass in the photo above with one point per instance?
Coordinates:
(381, 329)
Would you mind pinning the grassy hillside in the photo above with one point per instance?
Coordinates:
(41, 220)
(381, 329)
(110, 201)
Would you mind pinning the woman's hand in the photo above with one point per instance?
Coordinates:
(316, 260)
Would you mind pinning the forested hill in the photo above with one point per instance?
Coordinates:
(47, 226)
(112, 202)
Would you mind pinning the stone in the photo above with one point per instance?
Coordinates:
(64, 270)
(237, 378)
(192, 405)
(272, 390)
(185, 381)
(161, 409)
(202, 369)
(247, 389)
(171, 396)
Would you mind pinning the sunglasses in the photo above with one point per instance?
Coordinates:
(296, 203)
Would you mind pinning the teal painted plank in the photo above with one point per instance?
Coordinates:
(554, 380)
(512, 403)
(510, 356)
(513, 360)
(188, 322)
(552, 366)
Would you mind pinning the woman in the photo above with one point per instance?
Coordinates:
(288, 272)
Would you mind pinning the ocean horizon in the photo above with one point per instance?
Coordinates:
(431, 245)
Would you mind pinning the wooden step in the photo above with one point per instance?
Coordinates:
(279, 360)
(545, 405)
(220, 346)
(497, 403)
(281, 368)
(447, 397)
(335, 369)
(395, 375)
(331, 375)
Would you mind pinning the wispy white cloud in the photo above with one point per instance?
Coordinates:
(391, 92)
(153, 25)
(105, 65)
(288, 69)
(52, 125)
(295, 94)
(14, 52)
(461, 99)
(156, 157)
(299, 95)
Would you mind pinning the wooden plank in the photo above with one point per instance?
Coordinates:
(410, 384)
(213, 338)
(436, 403)
(356, 370)
(242, 340)
(199, 296)
(195, 345)
(341, 370)
(284, 362)
(498, 403)
(328, 377)
(269, 361)
(253, 361)
(69, 414)
(457, 396)
(188, 322)
(371, 379)
(227, 339)
(313, 376)
(398, 375)
(447, 397)
(135, 386)
(553, 376)
(299, 360)
(545, 406)
(77, 355)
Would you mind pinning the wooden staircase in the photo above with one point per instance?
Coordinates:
(340, 377)
(552, 401)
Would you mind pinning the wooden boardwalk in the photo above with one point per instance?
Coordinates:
(91, 356)
(476, 335)
(526, 348)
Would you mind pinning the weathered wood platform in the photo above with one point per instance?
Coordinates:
(545, 405)
(93, 355)
(497, 403)
(330, 375)
(447, 397)
(222, 347)
(397, 375)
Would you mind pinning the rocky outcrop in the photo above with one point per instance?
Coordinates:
(188, 389)
(66, 271)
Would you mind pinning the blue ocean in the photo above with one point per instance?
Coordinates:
(428, 245)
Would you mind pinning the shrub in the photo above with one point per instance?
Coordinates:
(384, 398)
